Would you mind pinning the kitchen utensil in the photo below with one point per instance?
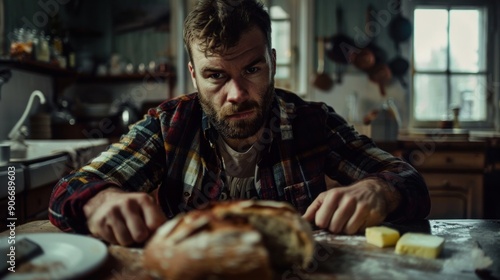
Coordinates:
(399, 67)
(127, 115)
(363, 60)
(400, 28)
(339, 45)
(379, 53)
(380, 74)
(322, 80)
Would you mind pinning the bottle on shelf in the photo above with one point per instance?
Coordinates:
(68, 52)
(43, 48)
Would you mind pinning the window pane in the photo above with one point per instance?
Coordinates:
(279, 9)
(431, 39)
(469, 93)
(467, 52)
(282, 72)
(281, 41)
(431, 101)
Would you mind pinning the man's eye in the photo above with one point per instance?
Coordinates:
(216, 76)
(252, 70)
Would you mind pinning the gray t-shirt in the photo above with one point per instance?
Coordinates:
(240, 170)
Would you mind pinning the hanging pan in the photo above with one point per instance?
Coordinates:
(339, 45)
(322, 80)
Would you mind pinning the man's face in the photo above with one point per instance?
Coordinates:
(236, 88)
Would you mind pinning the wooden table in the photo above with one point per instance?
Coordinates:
(468, 244)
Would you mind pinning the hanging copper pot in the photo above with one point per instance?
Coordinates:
(322, 80)
(363, 60)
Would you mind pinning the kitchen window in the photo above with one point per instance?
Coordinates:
(451, 65)
(281, 12)
(290, 24)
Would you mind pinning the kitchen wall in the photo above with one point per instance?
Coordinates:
(353, 94)
(353, 97)
(15, 95)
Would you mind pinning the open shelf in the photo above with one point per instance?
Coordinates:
(37, 67)
(56, 71)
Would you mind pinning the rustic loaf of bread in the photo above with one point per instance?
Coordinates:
(249, 239)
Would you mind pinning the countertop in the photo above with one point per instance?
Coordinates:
(43, 149)
(47, 161)
(469, 244)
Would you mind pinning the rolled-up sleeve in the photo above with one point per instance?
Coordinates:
(135, 163)
(354, 157)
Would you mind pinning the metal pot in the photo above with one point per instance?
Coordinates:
(400, 28)
(339, 45)
(399, 67)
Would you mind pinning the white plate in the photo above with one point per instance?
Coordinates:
(64, 256)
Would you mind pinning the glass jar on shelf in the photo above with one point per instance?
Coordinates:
(21, 45)
(43, 49)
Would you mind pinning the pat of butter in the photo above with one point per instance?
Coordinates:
(381, 236)
(420, 245)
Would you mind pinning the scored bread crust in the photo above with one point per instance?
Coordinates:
(230, 240)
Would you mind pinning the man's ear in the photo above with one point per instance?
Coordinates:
(273, 60)
(193, 74)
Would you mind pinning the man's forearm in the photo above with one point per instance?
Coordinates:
(68, 198)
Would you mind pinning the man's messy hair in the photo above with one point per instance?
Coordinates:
(219, 24)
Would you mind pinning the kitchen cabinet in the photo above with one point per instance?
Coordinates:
(454, 173)
(14, 173)
(40, 179)
(36, 175)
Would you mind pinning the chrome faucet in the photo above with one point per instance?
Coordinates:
(19, 131)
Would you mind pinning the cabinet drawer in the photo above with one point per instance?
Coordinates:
(466, 161)
(453, 180)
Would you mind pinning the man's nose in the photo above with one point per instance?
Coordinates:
(237, 90)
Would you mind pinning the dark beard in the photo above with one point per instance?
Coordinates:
(244, 128)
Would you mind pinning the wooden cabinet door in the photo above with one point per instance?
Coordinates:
(455, 195)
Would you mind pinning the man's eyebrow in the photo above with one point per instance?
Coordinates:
(211, 69)
(256, 61)
(208, 69)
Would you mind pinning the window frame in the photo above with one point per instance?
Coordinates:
(291, 82)
(301, 26)
(491, 98)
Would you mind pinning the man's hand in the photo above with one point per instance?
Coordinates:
(353, 208)
(124, 218)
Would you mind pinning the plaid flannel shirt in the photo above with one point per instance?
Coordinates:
(172, 150)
